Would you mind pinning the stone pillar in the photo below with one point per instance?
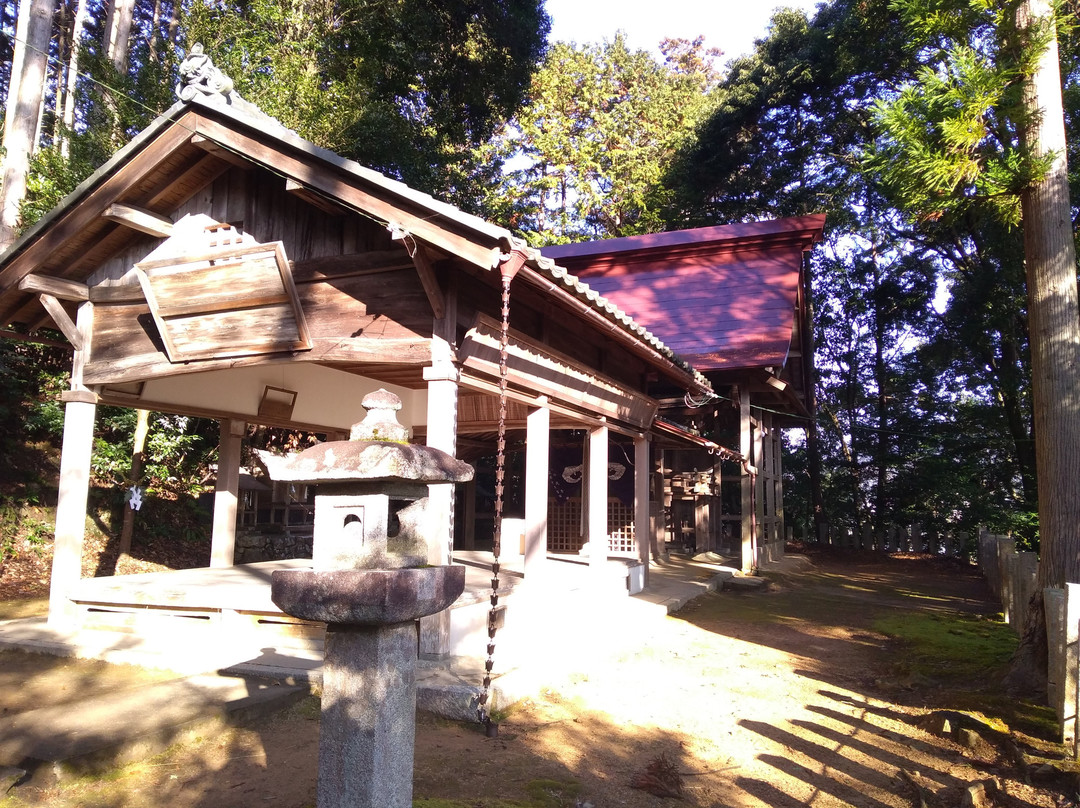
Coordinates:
(537, 459)
(79, 413)
(362, 731)
(641, 502)
(226, 491)
(702, 529)
(1025, 568)
(1070, 676)
(596, 520)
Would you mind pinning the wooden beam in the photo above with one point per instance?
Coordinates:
(62, 320)
(140, 219)
(337, 267)
(424, 268)
(313, 198)
(219, 151)
(57, 287)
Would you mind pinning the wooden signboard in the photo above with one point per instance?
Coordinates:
(228, 300)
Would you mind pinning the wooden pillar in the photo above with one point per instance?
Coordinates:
(537, 444)
(468, 528)
(226, 491)
(80, 410)
(660, 523)
(761, 523)
(79, 413)
(642, 473)
(442, 410)
(778, 471)
(746, 450)
(597, 523)
(768, 478)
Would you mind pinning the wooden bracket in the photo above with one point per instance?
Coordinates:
(140, 219)
(62, 320)
(422, 260)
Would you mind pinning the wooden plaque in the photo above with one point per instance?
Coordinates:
(222, 301)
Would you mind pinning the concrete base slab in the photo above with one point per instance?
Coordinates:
(540, 643)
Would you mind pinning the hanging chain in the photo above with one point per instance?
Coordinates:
(500, 475)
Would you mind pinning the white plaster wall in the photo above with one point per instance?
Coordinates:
(325, 396)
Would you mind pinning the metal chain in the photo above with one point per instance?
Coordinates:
(500, 474)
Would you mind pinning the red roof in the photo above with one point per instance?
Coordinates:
(722, 298)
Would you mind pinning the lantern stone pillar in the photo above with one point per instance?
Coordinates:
(370, 583)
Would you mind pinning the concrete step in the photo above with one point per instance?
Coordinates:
(109, 729)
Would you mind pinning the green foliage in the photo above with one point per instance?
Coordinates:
(950, 136)
(178, 451)
(586, 154)
(34, 375)
(407, 88)
(22, 529)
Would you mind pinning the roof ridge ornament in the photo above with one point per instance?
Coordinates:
(199, 76)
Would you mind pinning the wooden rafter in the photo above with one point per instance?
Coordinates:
(82, 215)
(57, 287)
(374, 202)
(140, 219)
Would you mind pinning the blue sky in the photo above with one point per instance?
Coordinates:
(731, 25)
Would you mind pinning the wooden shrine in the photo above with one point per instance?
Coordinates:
(221, 266)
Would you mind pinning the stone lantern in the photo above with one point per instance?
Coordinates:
(369, 583)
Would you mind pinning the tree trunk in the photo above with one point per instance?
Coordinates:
(77, 26)
(18, 55)
(19, 135)
(117, 32)
(142, 426)
(1054, 322)
(813, 444)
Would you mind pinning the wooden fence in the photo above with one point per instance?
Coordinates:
(897, 539)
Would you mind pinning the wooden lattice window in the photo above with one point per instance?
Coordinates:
(564, 527)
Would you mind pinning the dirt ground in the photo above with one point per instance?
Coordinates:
(784, 697)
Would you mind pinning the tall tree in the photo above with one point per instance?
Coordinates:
(586, 154)
(412, 89)
(983, 128)
(1054, 316)
(24, 105)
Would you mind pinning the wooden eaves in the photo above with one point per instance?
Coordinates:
(198, 141)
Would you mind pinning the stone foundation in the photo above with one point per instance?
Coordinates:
(272, 543)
